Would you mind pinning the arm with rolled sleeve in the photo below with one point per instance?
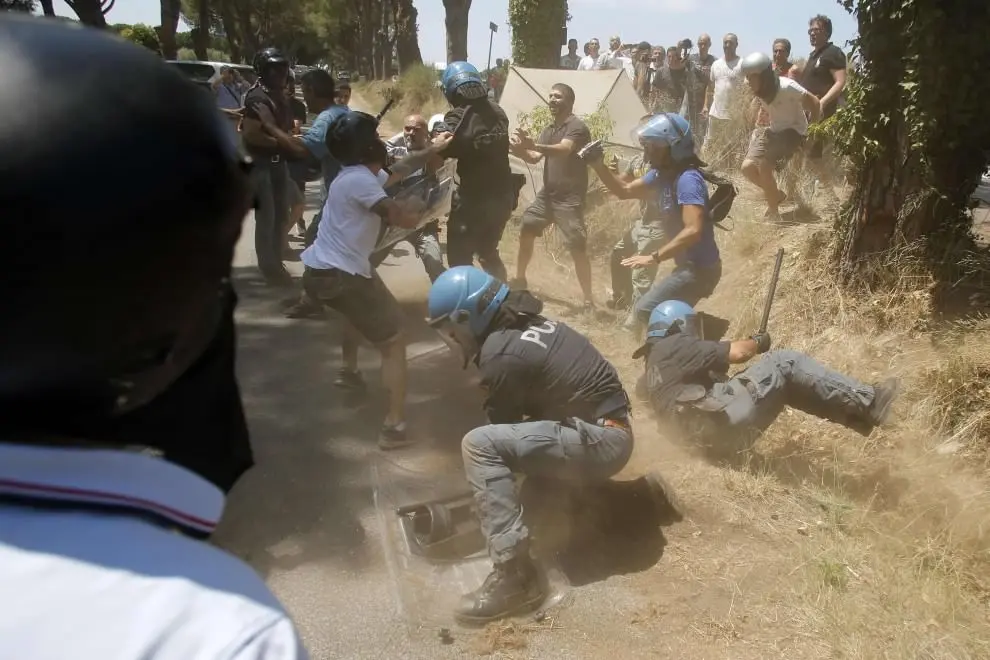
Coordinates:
(505, 381)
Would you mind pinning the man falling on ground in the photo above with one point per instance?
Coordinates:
(565, 186)
(785, 103)
(556, 409)
(685, 377)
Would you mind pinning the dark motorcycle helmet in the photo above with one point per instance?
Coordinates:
(115, 261)
(353, 139)
(272, 67)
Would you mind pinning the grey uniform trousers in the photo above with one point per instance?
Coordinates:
(755, 396)
(573, 451)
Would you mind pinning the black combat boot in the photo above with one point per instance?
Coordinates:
(883, 396)
(515, 587)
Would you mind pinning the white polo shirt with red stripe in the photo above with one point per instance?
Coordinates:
(93, 565)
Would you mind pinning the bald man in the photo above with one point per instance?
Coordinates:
(415, 136)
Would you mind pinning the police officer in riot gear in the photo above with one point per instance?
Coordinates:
(686, 376)
(486, 192)
(270, 174)
(676, 183)
(556, 409)
(116, 360)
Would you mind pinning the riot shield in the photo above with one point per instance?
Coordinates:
(429, 193)
(433, 544)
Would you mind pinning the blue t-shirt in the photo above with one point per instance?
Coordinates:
(315, 139)
(690, 189)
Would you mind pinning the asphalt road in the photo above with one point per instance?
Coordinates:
(304, 516)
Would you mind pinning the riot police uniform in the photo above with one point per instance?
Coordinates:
(486, 193)
(687, 376)
(118, 399)
(556, 409)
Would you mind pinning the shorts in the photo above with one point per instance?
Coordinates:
(567, 213)
(769, 147)
(365, 302)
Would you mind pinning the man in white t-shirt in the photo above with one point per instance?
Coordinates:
(785, 103)
(339, 274)
(721, 101)
(590, 60)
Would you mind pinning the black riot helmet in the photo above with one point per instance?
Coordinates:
(352, 139)
(115, 261)
(272, 67)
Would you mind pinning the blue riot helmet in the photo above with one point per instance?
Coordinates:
(670, 129)
(462, 83)
(462, 304)
(669, 314)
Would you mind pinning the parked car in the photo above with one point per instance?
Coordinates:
(205, 73)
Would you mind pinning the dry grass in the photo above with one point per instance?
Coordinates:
(819, 542)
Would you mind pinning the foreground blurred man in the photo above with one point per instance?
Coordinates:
(686, 376)
(109, 380)
(556, 409)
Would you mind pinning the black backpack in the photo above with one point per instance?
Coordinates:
(720, 201)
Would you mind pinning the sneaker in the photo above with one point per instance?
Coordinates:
(518, 284)
(349, 380)
(668, 507)
(515, 587)
(619, 303)
(393, 437)
(883, 397)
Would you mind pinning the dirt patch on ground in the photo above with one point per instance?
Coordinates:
(816, 542)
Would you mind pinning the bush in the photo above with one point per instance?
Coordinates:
(142, 35)
(212, 55)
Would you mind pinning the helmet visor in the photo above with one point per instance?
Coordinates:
(455, 332)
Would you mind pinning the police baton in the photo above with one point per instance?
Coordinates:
(768, 303)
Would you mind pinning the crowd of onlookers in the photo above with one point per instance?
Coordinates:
(687, 79)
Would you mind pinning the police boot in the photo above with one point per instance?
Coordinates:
(516, 586)
(884, 395)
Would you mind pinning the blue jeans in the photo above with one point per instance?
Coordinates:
(686, 283)
(577, 451)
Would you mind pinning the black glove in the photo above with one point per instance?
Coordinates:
(762, 340)
(593, 152)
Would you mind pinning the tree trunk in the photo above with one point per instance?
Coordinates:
(249, 39)
(91, 12)
(406, 35)
(201, 35)
(170, 23)
(537, 28)
(456, 21)
(48, 7)
(915, 136)
(230, 29)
